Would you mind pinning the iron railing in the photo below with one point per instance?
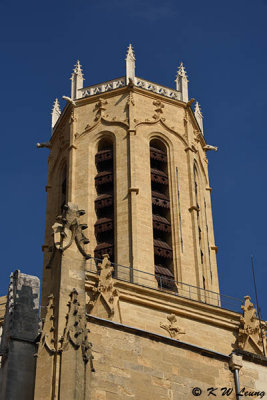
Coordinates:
(168, 285)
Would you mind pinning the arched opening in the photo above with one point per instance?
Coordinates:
(104, 203)
(162, 236)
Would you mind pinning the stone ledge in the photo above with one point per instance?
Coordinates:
(256, 358)
(159, 338)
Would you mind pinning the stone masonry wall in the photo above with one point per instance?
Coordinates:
(20, 330)
(129, 366)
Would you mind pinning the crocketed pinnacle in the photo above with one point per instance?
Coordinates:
(130, 53)
(56, 107)
(198, 109)
(181, 72)
(78, 69)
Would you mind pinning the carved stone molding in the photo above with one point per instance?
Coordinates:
(104, 291)
(100, 108)
(173, 328)
(67, 230)
(72, 118)
(47, 339)
(130, 99)
(251, 336)
(76, 332)
(158, 110)
(100, 118)
(185, 117)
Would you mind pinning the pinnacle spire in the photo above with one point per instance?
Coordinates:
(182, 82)
(78, 69)
(130, 64)
(76, 80)
(198, 108)
(199, 115)
(181, 72)
(130, 52)
(56, 112)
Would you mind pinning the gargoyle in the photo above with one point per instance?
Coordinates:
(209, 147)
(69, 100)
(48, 145)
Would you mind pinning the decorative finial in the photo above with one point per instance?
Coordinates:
(181, 71)
(76, 80)
(130, 64)
(55, 112)
(182, 82)
(199, 116)
(130, 52)
(78, 69)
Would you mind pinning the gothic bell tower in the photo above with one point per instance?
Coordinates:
(127, 170)
(132, 154)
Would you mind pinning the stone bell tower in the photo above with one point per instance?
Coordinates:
(128, 166)
(132, 154)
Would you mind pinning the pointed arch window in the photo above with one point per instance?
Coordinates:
(162, 232)
(104, 203)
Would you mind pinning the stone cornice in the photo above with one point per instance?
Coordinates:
(126, 89)
(159, 300)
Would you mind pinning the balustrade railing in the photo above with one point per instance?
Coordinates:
(168, 285)
(121, 82)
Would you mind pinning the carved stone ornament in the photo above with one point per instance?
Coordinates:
(251, 337)
(158, 110)
(76, 332)
(185, 117)
(130, 99)
(67, 229)
(172, 328)
(104, 290)
(99, 108)
(47, 339)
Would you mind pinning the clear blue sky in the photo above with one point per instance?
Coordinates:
(223, 46)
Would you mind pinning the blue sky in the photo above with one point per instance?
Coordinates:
(223, 46)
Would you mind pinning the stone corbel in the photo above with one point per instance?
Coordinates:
(133, 190)
(235, 362)
(215, 248)
(194, 208)
(45, 247)
(47, 187)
